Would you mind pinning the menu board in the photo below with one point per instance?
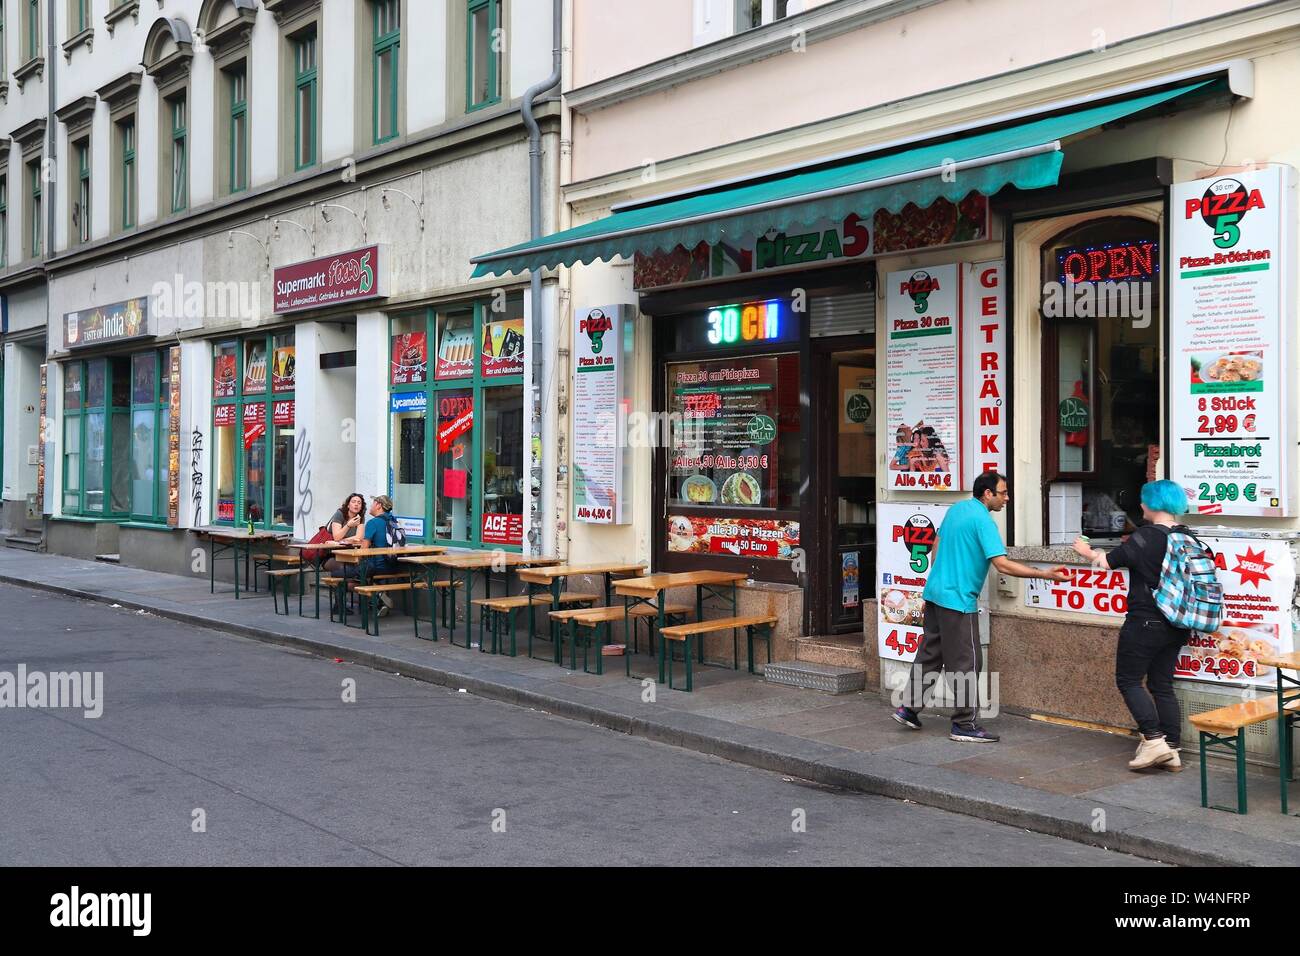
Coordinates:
(597, 396)
(1259, 579)
(409, 363)
(724, 449)
(905, 540)
(1229, 289)
(923, 379)
(503, 348)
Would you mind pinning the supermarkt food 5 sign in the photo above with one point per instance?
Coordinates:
(1231, 283)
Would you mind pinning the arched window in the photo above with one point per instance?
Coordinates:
(1100, 308)
(168, 52)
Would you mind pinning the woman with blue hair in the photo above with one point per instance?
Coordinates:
(1148, 644)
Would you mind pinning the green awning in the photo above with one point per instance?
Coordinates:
(1027, 156)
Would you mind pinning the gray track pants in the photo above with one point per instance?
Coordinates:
(950, 642)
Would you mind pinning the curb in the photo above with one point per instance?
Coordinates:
(1068, 818)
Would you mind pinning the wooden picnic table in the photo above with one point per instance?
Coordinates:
(234, 540)
(553, 577)
(354, 555)
(470, 561)
(327, 549)
(1288, 692)
(650, 589)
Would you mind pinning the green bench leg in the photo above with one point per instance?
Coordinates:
(1241, 770)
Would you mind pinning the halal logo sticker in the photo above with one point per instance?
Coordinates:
(594, 326)
(1222, 207)
(918, 288)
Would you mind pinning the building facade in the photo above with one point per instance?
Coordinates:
(249, 296)
(865, 267)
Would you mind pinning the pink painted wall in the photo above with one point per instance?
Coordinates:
(946, 44)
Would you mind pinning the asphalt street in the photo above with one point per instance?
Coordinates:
(216, 750)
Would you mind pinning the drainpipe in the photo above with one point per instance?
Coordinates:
(539, 430)
(52, 153)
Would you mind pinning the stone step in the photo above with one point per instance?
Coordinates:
(836, 652)
(824, 677)
(23, 542)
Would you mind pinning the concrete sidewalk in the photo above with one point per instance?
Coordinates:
(1043, 777)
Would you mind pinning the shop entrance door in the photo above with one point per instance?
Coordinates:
(845, 412)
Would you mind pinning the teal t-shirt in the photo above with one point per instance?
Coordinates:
(968, 541)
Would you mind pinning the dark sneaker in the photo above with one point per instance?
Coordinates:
(907, 717)
(972, 734)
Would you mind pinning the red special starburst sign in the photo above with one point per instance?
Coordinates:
(1252, 567)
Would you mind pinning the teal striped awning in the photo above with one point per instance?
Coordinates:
(1027, 156)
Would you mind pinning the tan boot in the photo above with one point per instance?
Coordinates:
(1152, 752)
(1175, 764)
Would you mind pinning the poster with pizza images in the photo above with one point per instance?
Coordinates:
(740, 537)
(1259, 583)
(1232, 282)
(905, 541)
(923, 379)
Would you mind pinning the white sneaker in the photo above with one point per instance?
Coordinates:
(1175, 763)
(1152, 752)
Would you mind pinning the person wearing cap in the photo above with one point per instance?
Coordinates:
(375, 534)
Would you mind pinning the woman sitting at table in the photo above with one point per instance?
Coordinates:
(349, 519)
(347, 526)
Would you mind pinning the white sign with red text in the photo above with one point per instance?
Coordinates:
(905, 537)
(984, 361)
(1089, 591)
(1259, 580)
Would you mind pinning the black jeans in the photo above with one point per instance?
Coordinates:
(1149, 649)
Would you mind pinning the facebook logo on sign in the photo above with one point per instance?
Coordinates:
(886, 577)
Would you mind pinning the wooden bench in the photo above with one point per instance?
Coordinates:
(1224, 729)
(492, 610)
(262, 563)
(371, 594)
(443, 592)
(686, 633)
(673, 614)
(283, 575)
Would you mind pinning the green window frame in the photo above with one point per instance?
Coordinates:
(480, 55)
(237, 78)
(81, 215)
(33, 29)
(81, 15)
(480, 389)
(386, 21)
(264, 510)
(121, 406)
(4, 59)
(128, 173)
(306, 100)
(34, 232)
(180, 160)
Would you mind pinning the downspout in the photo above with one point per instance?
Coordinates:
(540, 476)
(52, 154)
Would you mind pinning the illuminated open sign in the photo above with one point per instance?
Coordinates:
(751, 322)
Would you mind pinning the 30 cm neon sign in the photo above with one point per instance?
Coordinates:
(751, 322)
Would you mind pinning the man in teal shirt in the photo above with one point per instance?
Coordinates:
(951, 639)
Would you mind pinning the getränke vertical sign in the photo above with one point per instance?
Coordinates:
(984, 357)
(1230, 287)
(923, 378)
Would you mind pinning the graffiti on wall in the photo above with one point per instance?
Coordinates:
(304, 482)
(196, 476)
